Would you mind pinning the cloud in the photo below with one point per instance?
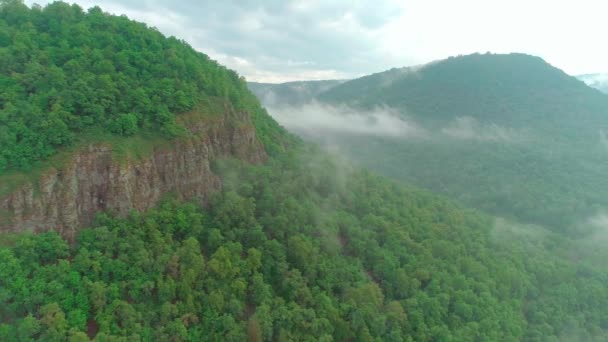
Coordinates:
(283, 40)
(468, 128)
(594, 78)
(272, 40)
(508, 231)
(600, 224)
(321, 120)
(603, 138)
(591, 240)
(598, 81)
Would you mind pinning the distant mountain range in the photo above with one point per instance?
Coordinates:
(509, 134)
(598, 81)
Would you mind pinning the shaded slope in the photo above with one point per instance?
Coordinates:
(509, 134)
(513, 89)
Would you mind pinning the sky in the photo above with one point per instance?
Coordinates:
(287, 40)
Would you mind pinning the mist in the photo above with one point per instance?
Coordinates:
(603, 138)
(468, 128)
(595, 78)
(600, 224)
(317, 119)
(324, 121)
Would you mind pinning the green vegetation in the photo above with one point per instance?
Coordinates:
(302, 248)
(513, 89)
(64, 71)
(532, 144)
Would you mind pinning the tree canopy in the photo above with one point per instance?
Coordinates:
(508, 134)
(302, 248)
(64, 71)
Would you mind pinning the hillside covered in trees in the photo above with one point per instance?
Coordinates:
(508, 134)
(64, 71)
(302, 247)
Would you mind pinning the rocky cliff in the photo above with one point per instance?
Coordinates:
(67, 198)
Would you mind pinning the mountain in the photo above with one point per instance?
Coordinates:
(146, 195)
(292, 93)
(508, 134)
(505, 89)
(96, 90)
(598, 81)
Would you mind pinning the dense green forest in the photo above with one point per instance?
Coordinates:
(508, 134)
(64, 71)
(302, 248)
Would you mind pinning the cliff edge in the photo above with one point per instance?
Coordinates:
(67, 198)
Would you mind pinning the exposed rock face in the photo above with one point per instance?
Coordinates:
(68, 198)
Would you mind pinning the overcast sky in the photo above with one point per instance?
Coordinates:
(284, 40)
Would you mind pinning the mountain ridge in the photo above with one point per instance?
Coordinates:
(485, 115)
(463, 79)
(111, 102)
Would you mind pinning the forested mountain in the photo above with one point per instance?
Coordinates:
(286, 243)
(515, 89)
(598, 81)
(303, 248)
(64, 71)
(291, 93)
(509, 134)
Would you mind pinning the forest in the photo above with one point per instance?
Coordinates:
(64, 72)
(508, 134)
(303, 247)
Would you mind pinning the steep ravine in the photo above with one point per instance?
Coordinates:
(67, 198)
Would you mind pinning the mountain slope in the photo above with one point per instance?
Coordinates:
(64, 71)
(508, 134)
(120, 175)
(513, 89)
(102, 113)
(303, 248)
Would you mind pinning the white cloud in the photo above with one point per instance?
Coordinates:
(321, 119)
(565, 33)
(288, 40)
